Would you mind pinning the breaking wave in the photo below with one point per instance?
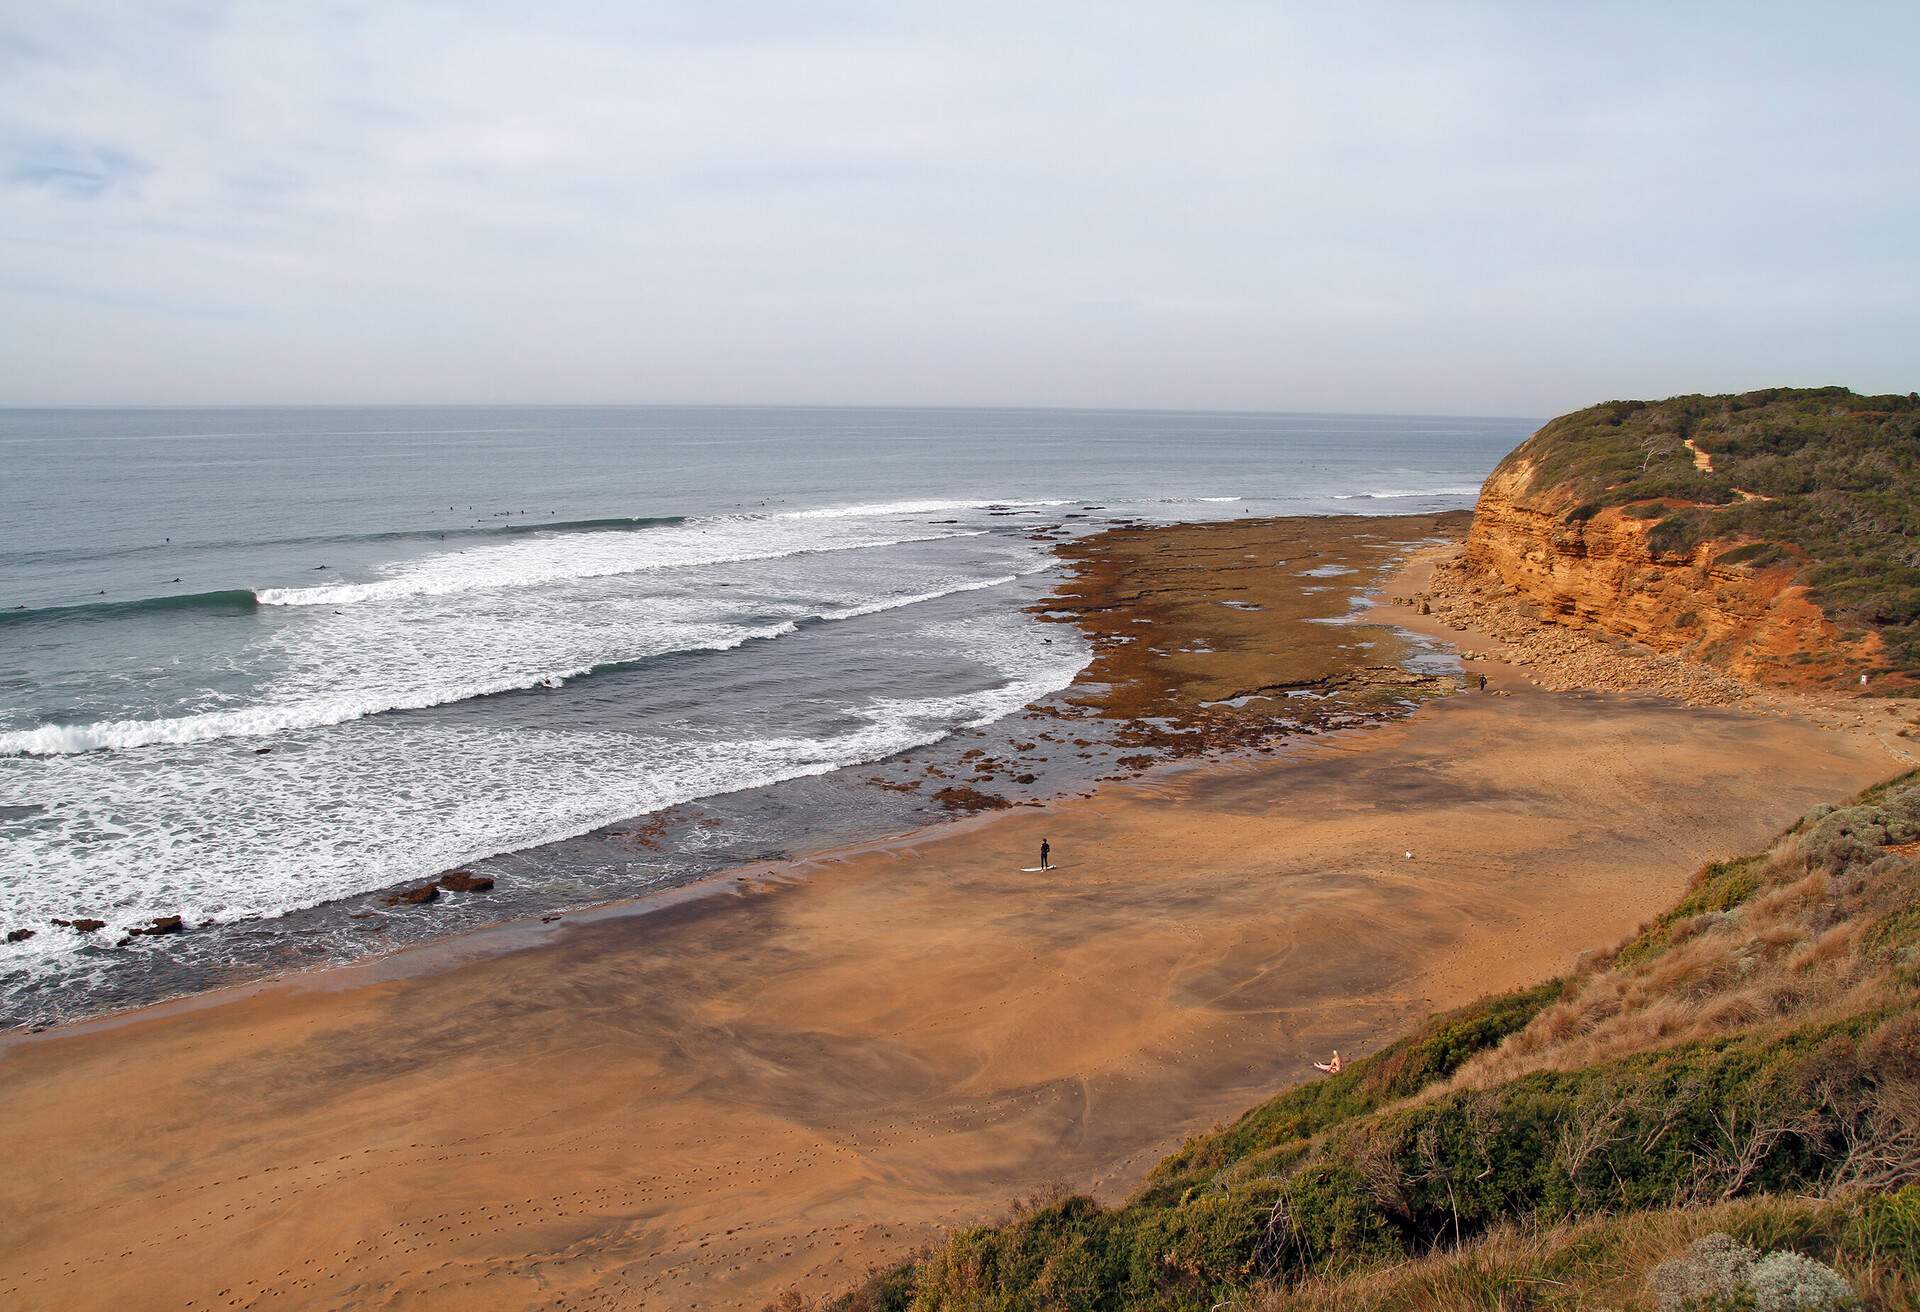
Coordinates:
(339, 708)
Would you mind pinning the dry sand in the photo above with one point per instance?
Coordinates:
(821, 1066)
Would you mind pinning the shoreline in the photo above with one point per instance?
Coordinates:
(1121, 704)
(727, 1095)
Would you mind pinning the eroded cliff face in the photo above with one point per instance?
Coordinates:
(1599, 574)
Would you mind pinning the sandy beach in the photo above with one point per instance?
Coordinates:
(805, 1069)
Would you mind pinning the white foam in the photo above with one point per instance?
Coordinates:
(431, 686)
(881, 509)
(1396, 493)
(568, 557)
(875, 607)
(371, 661)
(203, 832)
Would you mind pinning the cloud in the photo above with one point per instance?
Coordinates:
(74, 170)
(1470, 207)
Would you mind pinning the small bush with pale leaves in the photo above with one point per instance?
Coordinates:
(1789, 1282)
(1719, 1272)
(1714, 1267)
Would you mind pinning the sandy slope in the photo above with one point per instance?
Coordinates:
(822, 1066)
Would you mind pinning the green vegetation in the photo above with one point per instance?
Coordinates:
(1719, 886)
(1747, 1066)
(1817, 476)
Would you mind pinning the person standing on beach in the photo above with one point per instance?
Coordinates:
(1483, 683)
(1045, 850)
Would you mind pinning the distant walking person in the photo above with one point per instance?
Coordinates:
(1045, 851)
(1483, 683)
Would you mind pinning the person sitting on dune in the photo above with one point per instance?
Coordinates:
(1330, 1067)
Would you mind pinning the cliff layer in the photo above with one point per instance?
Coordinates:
(1600, 573)
(1772, 535)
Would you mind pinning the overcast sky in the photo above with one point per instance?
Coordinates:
(1486, 209)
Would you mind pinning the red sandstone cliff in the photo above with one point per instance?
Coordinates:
(1599, 574)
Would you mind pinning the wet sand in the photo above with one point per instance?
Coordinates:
(821, 1066)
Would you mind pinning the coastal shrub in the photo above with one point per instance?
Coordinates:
(1608, 1262)
(1713, 1267)
(1718, 1273)
(1718, 886)
(1790, 1282)
(1850, 833)
(1754, 555)
(1678, 534)
(1426, 1057)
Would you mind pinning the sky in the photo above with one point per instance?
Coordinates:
(1512, 209)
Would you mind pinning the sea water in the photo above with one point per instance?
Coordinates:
(254, 663)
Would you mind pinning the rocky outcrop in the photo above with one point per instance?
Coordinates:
(454, 881)
(965, 797)
(1595, 568)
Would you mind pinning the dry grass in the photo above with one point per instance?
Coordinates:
(1797, 950)
(1599, 1264)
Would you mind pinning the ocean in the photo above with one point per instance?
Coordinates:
(259, 666)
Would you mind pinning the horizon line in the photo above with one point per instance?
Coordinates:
(6, 407)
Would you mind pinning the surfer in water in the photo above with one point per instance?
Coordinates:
(1045, 853)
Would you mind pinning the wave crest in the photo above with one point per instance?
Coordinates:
(319, 712)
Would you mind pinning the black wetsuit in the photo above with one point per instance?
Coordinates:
(1044, 850)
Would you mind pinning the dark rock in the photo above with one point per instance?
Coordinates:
(465, 881)
(161, 925)
(262, 751)
(415, 896)
(20, 935)
(962, 797)
(83, 925)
